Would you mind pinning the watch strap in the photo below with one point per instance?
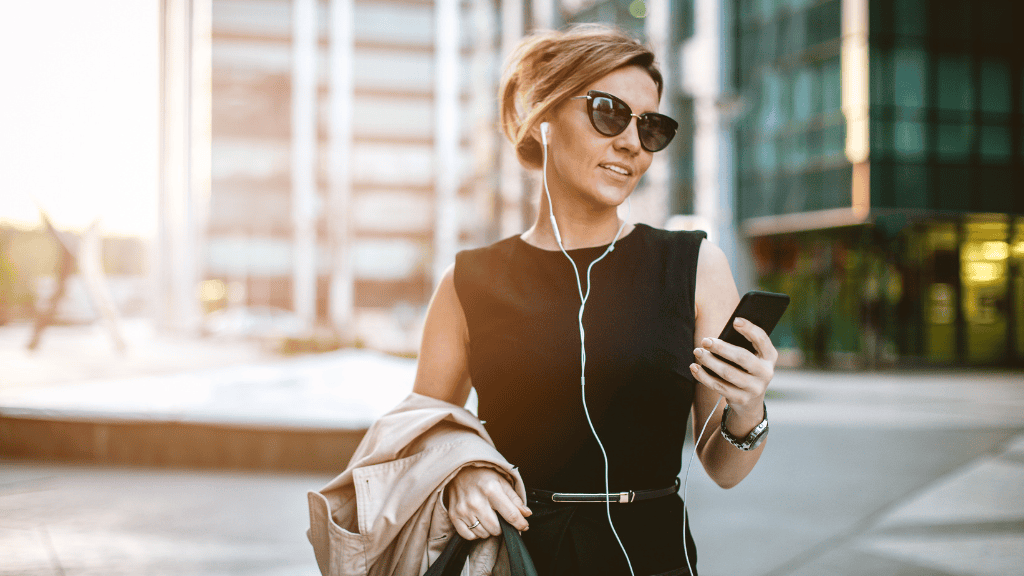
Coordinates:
(752, 440)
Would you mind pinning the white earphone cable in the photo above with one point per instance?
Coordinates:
(686, 477)
(583, 350)
(583, 358)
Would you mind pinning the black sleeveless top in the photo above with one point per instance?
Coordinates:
(521, 305)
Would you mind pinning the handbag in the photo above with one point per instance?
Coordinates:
(453, 557)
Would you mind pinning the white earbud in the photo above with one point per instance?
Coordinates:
(545, 127)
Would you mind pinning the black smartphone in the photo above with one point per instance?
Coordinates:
(764, 309)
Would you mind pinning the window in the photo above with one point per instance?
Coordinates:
(909, 141)
(831, 86)
(995, 143)
(909, 77)
(954, 83)
(955, 141)
(995, 86)
(910, 17)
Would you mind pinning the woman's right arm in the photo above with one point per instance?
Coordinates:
(442, 372)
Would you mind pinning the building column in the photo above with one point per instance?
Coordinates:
(342, 297)
(303, 159)
(511, 189)
(543, 14)
(184, 169)
(447, 37)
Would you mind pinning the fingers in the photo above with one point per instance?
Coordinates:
(717, 384)
(759, 338)
(472, 522)
(463, 527)
(512, 508)
(740, 377)
(478, 500)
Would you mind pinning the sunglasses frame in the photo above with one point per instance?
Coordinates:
(592, 94)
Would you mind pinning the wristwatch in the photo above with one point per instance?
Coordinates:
(754, 439)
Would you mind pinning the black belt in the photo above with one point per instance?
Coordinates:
(619, 497)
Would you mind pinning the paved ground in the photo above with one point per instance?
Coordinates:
(907, 474)
(85, 352)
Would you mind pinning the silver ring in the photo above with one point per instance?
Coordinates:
(474, 525)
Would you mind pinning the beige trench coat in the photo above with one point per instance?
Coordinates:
(384, 514)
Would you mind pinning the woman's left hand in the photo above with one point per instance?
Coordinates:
(744, 387)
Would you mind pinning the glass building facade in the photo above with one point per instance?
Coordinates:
(881, 183)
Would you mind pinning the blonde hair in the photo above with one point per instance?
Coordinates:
(548, 67)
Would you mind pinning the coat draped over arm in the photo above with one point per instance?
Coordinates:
(384, 514)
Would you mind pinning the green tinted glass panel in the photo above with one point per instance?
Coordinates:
(953, 21)
(880, 15)
(833, 140)
(879, 84)
(795, 150)
(803, 94)
(995, 86)
(881, 138)
(766, 158)
(909, 77)
(955, 141)
(823, 22)
(771, 96)
(831, 90)
(794, 33)
(911, 186)
(951, 183)
(955, 83)
(747, 11)
(909, 139)
(785, 106)
(835, 189)
(995, 143)
(910, 16)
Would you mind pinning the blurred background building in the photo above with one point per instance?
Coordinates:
(863, 156)
(321, 162)
(879, 174)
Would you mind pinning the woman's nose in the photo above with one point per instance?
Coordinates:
(629, 139)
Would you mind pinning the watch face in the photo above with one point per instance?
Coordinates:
(754, 439)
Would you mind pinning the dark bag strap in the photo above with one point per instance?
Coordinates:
(453, 558)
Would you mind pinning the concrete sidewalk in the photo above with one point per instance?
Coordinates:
(916, 473)
(80, 520)
(71, 354)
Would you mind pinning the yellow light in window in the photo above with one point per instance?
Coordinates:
(980, 272)
(1018, 249)
(212, 290)
(994, 250)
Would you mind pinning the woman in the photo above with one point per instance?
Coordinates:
(581, 105)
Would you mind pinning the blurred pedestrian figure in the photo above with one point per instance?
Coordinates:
(84, 255)
(66, 265)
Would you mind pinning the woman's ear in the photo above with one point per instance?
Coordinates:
(537, 131)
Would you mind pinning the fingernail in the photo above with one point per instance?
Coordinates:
(693, 368)
(707, 342)
(739, 322)
(698, 352)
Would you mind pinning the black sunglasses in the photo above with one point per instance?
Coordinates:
(610, 116)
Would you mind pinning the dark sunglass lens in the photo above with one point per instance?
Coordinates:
(656, 131)
(609, 117)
